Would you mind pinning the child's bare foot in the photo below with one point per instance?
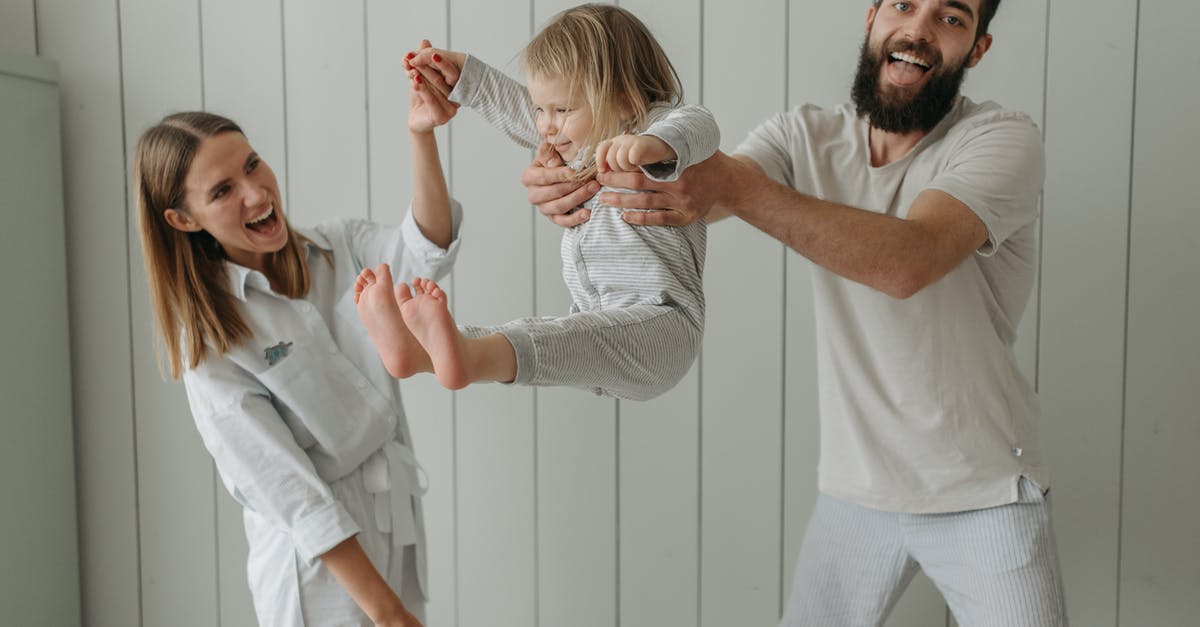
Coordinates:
(377, 307)
(428, 317)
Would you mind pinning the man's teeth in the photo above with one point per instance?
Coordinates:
(266, 214)
(908, 58)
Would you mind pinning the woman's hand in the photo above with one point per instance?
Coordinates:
(427, 108)
(439, 69)
(554, 189)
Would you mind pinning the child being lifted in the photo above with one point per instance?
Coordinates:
(603, 95)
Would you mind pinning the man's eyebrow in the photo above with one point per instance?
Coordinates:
(962, 6)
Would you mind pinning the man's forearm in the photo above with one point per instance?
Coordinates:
(893, 255)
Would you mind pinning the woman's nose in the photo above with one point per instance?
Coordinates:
(254, 195)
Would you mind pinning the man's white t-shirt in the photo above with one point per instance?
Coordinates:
(923, 409)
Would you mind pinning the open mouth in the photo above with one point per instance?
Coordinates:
(265, 222)
(905, 68)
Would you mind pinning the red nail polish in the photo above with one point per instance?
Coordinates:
(437, 58)
(419, 79)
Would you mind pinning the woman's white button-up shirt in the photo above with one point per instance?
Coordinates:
(306, 401)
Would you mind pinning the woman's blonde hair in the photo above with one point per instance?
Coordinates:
(189, 286)
(610, 55)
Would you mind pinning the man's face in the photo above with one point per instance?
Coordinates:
(913, 61)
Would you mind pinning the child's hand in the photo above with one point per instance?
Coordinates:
(626, 152)
(438, 68)
(428, 108)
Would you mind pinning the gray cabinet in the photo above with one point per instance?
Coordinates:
(39, 582)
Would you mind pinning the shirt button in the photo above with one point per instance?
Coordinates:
(362, 384)
(1016, 451)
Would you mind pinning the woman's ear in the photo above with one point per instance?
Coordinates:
(180, 221)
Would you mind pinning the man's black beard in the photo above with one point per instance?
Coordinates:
(890, 111)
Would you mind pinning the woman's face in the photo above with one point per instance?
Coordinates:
(232, 194)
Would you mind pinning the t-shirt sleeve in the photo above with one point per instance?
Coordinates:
(998, 170)
(768, 146)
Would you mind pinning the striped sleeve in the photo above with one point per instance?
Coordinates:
(502, 101)
(689, 130)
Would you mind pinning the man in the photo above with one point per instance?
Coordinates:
(918, 208)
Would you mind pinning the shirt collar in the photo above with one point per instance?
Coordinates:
(240, 276)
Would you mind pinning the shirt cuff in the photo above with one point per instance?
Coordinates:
(315, 534)
(469, 79)
(668, 171)
(424, 250)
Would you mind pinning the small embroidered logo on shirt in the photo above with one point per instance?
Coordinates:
(276, 353)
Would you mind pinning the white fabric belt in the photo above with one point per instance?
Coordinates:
(394, 476)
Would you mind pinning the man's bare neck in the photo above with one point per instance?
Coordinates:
(890, 147)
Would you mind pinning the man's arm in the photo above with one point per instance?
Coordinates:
(898, 256)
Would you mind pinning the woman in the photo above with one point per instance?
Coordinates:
(303, 422)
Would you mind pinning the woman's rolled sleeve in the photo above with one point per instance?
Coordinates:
(420, 256)
(259, 460)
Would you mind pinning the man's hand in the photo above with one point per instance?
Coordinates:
(679, 202)
(555, 191)
(626, 153)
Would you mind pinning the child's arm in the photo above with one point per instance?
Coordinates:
(502, 101)
(678, 137)
(429, 109)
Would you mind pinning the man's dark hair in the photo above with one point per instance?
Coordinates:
(987, 9)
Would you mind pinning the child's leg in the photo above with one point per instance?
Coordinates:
(377, 307)
(636, 352)
(457, 360)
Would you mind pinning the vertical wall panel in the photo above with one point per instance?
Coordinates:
(741, 381)
(659, 440)
(175, 475)
(18, 31)
(326, 110)
(393, 29)
(577, 457)
(1084, 253)
(497, 535)
(1159, 550)
(84, 41)
(243, 79)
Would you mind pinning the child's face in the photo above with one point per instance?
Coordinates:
(562, 115)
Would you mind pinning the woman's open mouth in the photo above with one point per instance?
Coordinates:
(266, 222)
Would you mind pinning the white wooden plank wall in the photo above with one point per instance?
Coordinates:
(551, 507)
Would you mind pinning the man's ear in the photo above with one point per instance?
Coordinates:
(181, 221)
(982, 45)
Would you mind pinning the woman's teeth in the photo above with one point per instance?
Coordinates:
(262, 217)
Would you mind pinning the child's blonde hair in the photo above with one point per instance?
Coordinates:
(610, 55)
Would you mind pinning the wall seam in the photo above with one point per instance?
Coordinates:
(137, 506)
(1137, 23)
